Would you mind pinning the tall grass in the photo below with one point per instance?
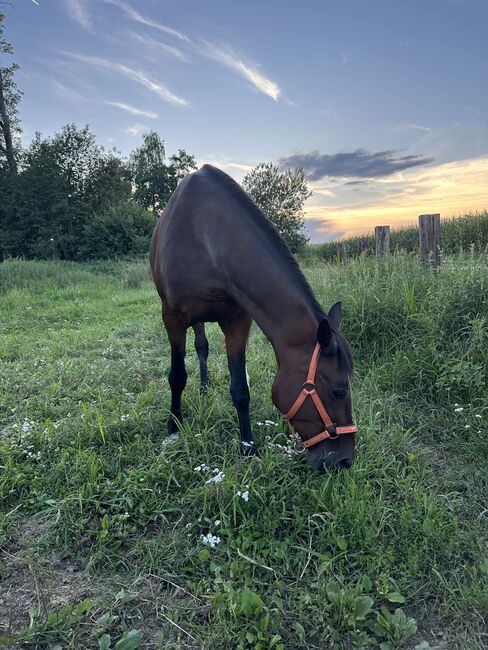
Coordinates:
(459, 234)
(390, 554)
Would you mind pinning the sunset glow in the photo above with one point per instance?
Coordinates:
(451, 189)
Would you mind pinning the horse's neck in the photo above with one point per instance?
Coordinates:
(282, 312)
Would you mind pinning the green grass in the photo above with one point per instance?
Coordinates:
(101, 519)
(463, 234)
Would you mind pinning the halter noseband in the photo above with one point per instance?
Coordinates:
(331, 430)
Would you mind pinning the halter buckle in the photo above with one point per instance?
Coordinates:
(332, 431)
(309, 386)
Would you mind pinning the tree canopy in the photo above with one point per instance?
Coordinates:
(281, 196)
(72, 199)
(154, 179)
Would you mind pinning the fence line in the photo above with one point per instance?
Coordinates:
(429, 241)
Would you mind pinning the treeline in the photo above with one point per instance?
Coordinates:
(463, 233)
(71, 199)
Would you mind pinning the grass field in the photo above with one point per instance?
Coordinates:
(105, 524)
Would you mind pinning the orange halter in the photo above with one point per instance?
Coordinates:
(331, 430)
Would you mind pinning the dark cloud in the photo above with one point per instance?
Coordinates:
(359, 163)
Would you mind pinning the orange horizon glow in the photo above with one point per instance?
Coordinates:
(451, 189)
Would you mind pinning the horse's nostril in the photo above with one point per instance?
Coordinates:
(345, 463)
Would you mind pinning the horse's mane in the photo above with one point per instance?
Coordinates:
(295, 273)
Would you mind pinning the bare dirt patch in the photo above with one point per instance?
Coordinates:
(30, 580)
(36, 583)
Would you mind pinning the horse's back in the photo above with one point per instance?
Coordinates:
(186, 245)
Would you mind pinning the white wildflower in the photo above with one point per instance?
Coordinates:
(210, 540)
(201, 468)
(478, 416)
(124, 417)
(260, 424)
(217, 522)
(459, 410)
(243, 495)
(271, 423)
(217, 478)
(26, 426)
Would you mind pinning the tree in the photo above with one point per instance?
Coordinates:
(281, 195)
(154, 179)
(108, 183)
(64, 180)
(35, 224)
(9, 100)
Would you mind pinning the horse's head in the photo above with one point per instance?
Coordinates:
(316, 398)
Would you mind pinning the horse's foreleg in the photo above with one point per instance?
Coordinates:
(236, 334)
(201, 346)
(176, 329)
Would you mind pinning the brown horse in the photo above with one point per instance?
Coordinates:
(216, 257)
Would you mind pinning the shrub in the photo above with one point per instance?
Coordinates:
(120, 232)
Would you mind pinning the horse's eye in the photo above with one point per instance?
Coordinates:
(339, 394)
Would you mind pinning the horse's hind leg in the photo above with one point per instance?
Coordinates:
(201, 346)
(176, 329)
(236, 333)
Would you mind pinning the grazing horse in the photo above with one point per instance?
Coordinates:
(216, 257)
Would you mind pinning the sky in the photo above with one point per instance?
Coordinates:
(383, 103)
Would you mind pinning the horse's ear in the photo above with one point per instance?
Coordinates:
(335, 316)
(324, 334)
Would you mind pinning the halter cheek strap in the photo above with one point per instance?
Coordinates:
(308, 390)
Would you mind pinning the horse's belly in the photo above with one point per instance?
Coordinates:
(207, 309)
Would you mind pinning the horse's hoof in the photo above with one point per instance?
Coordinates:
(248, 448)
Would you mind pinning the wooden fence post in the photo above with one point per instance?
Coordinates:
(342, 253)
(430, 239)
(382, 237)
(362, 246)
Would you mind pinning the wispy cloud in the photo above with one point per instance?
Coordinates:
(409, 126)
(250, 71)
(158, 46)
(359, 163)
(136, 75)
(474, 111)
(131, 109)
(67, 93)
(136, 16)
(77, 11)
(156, 87)
(136, 128)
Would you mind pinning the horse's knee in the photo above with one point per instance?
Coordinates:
(177, 379)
